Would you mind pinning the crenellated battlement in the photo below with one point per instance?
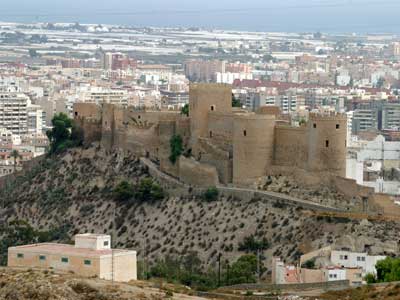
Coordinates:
(332, 116)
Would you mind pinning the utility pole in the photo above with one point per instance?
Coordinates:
(219, 269)
(144, 259)
(113, 243)
(258, 264)
(227, 272)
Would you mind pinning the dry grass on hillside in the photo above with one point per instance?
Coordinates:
(47, 285)
(389, 292)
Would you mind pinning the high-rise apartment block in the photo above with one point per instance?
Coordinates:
(13, 112)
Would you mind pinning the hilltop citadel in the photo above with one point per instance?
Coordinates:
(222, 144)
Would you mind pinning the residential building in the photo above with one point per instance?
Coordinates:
(324, 265)
(376, 164)
(203, 70)
(100, 95)
(13, 112)
(348, 259)
(91, 255)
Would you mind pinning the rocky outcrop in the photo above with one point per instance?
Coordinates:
(76, 191)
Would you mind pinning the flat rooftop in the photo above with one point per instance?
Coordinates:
(71, 250)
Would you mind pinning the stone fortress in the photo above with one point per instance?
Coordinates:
(222, 145)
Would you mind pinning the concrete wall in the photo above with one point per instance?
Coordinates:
(311, 276)
(326, 286)
(121, 267)
(92, 242)
(75, 263)
(253, 141)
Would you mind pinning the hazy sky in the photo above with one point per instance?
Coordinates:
(262, 15)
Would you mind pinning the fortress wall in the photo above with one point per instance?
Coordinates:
(108, 126)
(205, 98)
(87, 111)
(327, 144)
(166, 130)
(195, 173)
(220, 129)
(350, 188)
(211, 154)
(88, 118)
(290, 146)
(91, 130)
(182, 127)
(301, 176)
(253, 146)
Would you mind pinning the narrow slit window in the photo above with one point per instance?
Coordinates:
(326, 143)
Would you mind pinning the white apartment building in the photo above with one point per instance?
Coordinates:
(368, 162)
(36, 119)
(347, 259)
(13, 112)
(100, 95)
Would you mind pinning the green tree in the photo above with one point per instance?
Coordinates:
(244, 270)
(148, 190)
(251, 244)
(211, 194)
(370, 278)
(388, 270)
(192, 262)
(185, 110)
(20, 232)
(176, 145)
(124, 191)
(236, 102)
(15, 155)
(64, 134)
(309, 264)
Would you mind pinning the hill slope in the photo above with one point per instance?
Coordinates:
(47, 285)
(74, 194)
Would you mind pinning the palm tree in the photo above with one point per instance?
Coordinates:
(15, 154)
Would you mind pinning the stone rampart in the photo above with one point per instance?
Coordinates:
(198, 174)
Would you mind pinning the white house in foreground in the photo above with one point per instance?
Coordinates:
(90, 256)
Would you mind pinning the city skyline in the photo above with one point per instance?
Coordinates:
(254, 15)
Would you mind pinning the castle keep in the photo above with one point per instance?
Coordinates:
(222, 144)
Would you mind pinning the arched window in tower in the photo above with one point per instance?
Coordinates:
(337, 126)
(211, 134)
(245, 132)
(327, 143)
(212, 108)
